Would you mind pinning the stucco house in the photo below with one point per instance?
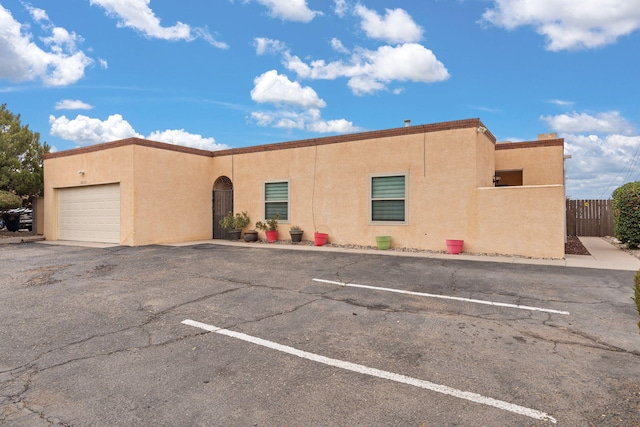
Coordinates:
(418, 184)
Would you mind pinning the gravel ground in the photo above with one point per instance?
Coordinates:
(616, 242)
(575, 247)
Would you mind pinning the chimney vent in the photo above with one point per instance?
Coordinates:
(545, 136)
(407, 123)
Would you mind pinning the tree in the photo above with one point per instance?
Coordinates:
(20, 157)
(626, 213)
(9, 200)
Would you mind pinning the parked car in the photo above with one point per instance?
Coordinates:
(26, 219)
(16, 219)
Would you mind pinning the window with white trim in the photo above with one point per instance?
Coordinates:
(276, 200)
(388, 198)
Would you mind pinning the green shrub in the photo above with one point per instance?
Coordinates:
(269, 225)
(637, 293)
(235, 222)
(626, 214)
(9, 200)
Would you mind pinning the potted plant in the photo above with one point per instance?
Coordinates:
(270, 227)
(235, 223)
(296, 234)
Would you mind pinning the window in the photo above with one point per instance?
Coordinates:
(276, 200)
(388, 198)
(509, 178)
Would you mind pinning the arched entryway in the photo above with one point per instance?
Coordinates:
(222, 205)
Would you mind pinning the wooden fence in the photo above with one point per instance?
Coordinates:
(589, 218)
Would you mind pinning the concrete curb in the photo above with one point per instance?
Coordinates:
(20, 239)
(603, 255)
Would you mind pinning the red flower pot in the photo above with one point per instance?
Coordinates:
(320, 238)
(272, 236)
(454, 246)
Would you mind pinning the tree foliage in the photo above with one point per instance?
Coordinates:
(636, 298)
(9, 200)
(626, 213)
(20, 157)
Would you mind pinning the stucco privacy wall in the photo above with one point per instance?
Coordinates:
(527, 221)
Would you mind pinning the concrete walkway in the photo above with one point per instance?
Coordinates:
(603, 254)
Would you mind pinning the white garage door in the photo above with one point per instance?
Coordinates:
(89, 214)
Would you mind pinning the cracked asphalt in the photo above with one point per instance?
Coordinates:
(93, 337)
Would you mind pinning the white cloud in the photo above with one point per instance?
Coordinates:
(608, 122)
(600, 164)
(332, 126)
(309, 120)
(205, 35)
(39, 15)
(338, 46)
(604, 149)
(186, 139)
(297, 107)
(396, 26)
(72, 104)
(370, 71)
(138, 15)
(290, 10)
(340, 8)
(265, 45)
(568, 24)
(277, 89)
(86, 130)
(560, 102)
(22, 60)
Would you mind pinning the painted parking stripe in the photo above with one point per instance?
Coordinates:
(422, 294)
(361, 369)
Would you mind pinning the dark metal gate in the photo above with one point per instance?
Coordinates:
(222, 205)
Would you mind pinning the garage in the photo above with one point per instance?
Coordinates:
(90, 213)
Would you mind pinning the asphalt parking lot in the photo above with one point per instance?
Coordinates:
(210, 335)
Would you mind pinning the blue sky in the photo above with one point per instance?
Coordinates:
(235, 73)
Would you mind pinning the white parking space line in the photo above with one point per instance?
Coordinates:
(466, 395)
(422, 294)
